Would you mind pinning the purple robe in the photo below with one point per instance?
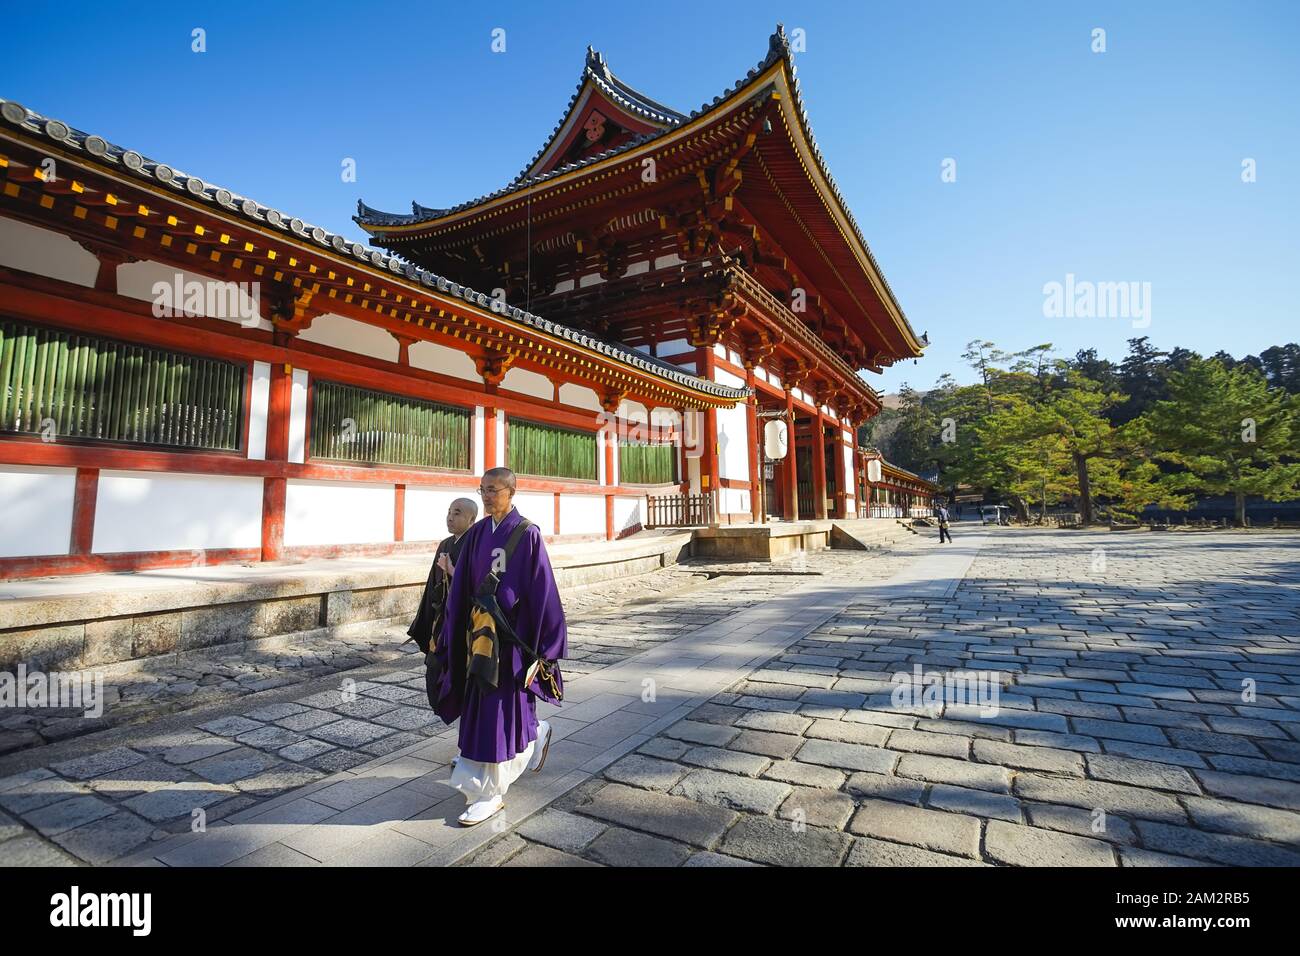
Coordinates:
(496, 725)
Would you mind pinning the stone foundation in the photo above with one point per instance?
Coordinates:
(92, 621)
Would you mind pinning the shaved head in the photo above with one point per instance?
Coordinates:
(502, 476)
(497, 489)
(461, 513)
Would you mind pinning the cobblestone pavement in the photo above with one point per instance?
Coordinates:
(96, 799)
(1149, 715)
(142, 691)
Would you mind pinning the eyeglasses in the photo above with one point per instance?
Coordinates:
(487, 492)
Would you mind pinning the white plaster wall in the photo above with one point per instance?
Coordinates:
(582, 514)
(158, 511)
(352, 336)
(579, 397)
(633, 412)
(539, 508)
(479, 432)
(136, 280)
(528, 383)
(628, 513)
(720, 350)
(46, 253)
(662, 417)
(591, 278)
(733, 500)
(336, 512)
(500, 437)
(848, 469)
(259, 406)
(425, 515)
(723, 377)
(637, 268)
(733, 443)
(35, 510)
(298, 417)
(433, 357)
(664, 262)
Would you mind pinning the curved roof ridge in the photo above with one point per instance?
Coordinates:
(595, 70)
(778, 47)
(597, 65)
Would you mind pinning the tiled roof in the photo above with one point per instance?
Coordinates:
(140, 166)
(778, 49)
(598, 70)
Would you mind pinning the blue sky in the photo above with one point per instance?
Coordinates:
(1122, 166)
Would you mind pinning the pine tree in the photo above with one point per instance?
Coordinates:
(1229, 432)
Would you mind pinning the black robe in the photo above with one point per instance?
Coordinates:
(434, 599)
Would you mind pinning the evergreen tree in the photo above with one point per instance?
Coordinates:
(1229, 432)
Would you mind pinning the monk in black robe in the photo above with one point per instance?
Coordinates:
(460, 516)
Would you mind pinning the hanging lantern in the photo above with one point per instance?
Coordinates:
(873, 471)
(776, 439)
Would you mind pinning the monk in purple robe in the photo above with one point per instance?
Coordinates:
(500, 735)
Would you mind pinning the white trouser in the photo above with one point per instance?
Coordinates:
(483, 781)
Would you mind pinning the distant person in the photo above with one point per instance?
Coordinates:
(944, 533)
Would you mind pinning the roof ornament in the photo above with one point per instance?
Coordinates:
(778, 45)
(596, 62)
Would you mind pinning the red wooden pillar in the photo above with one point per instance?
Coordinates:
(610, 439)
(704, 365)
(859, 482)
(275, 489)
(399, 512)
(84, 496)
(843, 471)
(755, 458)
(791, 463)
(819, 466)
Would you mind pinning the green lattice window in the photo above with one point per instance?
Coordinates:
(64, 385)
(643, 464)
(358, 424)
(548, 451)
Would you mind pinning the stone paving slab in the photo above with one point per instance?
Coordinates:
(779, 743)
(1148, 717)
(620, 712)
(229, 763)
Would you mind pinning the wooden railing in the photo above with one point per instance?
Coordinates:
(679, 511)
